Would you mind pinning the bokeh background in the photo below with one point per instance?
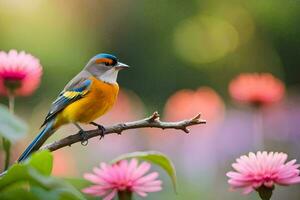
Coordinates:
(196, 45)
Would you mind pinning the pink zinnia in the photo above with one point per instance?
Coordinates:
(123, 176)
(263, 169)
(257, 89)
(20, 73)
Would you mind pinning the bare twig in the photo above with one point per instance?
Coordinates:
(151, 122)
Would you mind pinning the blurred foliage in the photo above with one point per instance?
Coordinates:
(12, 128)
(32, 180)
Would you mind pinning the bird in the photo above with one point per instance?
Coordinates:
(88, 96)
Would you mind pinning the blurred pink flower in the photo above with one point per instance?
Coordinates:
(263, 169)
(187, 103)
(257, 89)
(122, 176)
(64, 164)
(19, 72)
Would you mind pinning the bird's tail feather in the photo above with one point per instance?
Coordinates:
(38, 141)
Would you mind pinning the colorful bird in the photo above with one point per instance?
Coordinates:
(86, 97)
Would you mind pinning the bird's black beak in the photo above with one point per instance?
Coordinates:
(120, 66)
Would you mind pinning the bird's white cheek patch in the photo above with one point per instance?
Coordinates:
(110, 76)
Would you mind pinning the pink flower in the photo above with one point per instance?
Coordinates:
(20, 73)
(263, 169)
(122, 176)
(187, 103)
(258, 89)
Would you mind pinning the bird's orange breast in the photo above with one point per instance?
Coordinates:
(100, 98)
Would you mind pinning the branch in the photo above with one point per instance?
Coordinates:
(151, 122)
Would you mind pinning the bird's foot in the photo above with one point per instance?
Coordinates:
(84, 138)
(101, 128)
(83, 135)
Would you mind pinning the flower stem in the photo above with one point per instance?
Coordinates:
(258, 130)
(265, 193)
(11, 103)
(6, 146)
(6, 143)
(125, 195)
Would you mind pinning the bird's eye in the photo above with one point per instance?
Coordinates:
(106, 64)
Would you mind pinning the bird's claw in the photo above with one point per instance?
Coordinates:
(100, 128)
(84, 138)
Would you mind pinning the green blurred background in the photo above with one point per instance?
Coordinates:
(166, 43)
(170, 45)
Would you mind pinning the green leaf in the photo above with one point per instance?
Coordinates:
(11, 127)
(155, 157)
(37, 177)
(42, 162)
(78, 183)
(18, 193)
(41, 193)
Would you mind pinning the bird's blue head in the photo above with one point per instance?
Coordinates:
(106, 58)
